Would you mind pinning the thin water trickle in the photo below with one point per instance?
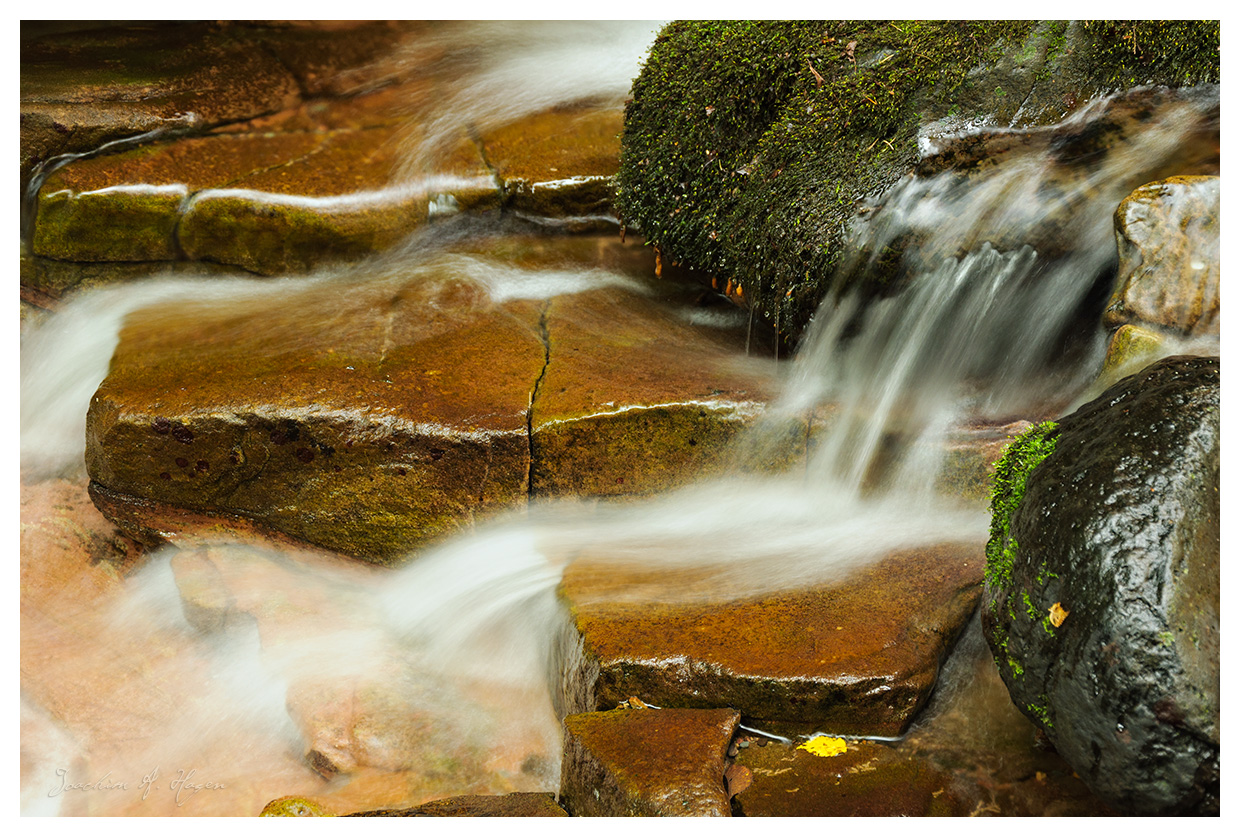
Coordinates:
(446, 667)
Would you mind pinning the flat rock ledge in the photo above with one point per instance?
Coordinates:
(647, 762)
(373, 414)
(858, 656)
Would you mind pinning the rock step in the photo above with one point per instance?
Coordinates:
(316, 179)
(372, 413)
(289, 199)
(856, 656)
(647, 762)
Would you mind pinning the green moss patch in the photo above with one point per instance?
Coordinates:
(1011, 472)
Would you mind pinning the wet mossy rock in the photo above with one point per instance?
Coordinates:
(747, 144)
(1102, 588)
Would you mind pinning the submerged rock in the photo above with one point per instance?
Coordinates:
(1102, 593)
(858, 656)
(1168, 235)
(647, 762)
(867, 779)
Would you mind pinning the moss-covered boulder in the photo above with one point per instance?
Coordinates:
(858, 655)
(647, 762)
(1102, 586)
(748, 145)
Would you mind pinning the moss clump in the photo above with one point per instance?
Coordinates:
(747, 145)
(1011, 472)
(1177, 53)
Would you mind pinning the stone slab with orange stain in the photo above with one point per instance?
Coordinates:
(83, 87)
(291, 185)
(376, 413)
(267, 201)
(859, 656)
(647, 762)
(364, 418)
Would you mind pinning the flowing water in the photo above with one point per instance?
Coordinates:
(448, 663)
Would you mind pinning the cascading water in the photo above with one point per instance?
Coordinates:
(450, 658)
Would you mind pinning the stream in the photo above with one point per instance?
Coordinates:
(375, 687)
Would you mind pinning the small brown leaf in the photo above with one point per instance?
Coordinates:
(1058, 614)
(850, 50)
(817, 76)
(737, 778)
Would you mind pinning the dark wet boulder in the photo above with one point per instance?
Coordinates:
(1102, 589)
(750, 145)
(647, 762)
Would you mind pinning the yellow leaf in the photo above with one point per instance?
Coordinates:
(1058, 614)
(824, 745)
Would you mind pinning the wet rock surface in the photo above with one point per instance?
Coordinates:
(356, 422)
(971, 753)
(313, 175)
(372, 416)
(1105, 624)
(647, 762)
(1168, 234)
(559, 164)
(686, 394)
(858, 656)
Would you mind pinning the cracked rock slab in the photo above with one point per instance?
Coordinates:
(636, 398)
(857, 656)
(647, 762)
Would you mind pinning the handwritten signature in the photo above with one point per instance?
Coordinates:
(183, 786)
